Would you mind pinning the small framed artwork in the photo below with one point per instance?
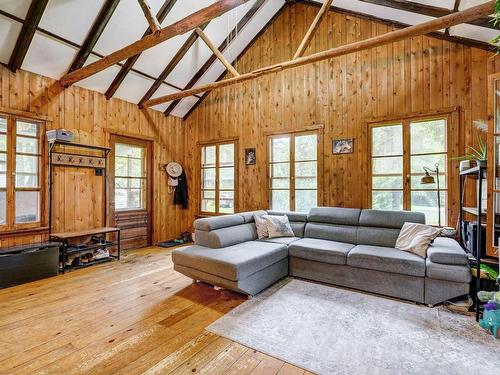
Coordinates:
(250, 156)
(343, 146)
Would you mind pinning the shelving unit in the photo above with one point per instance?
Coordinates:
(86, 156)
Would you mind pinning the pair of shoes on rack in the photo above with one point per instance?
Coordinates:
(101, 253)
(87, 258)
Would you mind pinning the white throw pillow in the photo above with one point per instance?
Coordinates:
(278, 226)
(416, 238)
(260, 224)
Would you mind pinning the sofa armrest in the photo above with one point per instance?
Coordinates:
(446, 251)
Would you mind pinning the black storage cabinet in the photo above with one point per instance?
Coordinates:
(22, 264)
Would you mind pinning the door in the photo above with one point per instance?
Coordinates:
(131, 190)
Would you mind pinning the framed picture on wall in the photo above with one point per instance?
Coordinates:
(250, 156)
(343, 146)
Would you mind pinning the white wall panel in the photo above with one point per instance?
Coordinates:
(9, 31)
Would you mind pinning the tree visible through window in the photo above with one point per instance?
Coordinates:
(130, 177)
(293, 172)
(400, 151)
(218, 178)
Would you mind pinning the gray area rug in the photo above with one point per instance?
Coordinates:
(328, 330)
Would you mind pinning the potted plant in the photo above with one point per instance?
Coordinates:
(477, 155)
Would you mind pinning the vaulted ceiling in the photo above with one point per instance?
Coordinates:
(51, 37)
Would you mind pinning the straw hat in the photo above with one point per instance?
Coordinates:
(174, 169)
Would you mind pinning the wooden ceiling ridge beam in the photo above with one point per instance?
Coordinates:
(30, 24)
(154, 25)
(312, 29)
(94, 34)
(241, 24)
(177, 28)
(216, 52)
(380, 40)
(430, 10)
(129, 63)
(171, 65)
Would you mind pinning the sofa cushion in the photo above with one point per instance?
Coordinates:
(334, 215)
(320, 250)
(283, 240)
(389, 219)
(297, 221)
(385, 237)
(386, 259)
(248, 217)
(226, 236)
(233, 262)
(217, 222)
(446, 251)
(332, 232)
(447, 272)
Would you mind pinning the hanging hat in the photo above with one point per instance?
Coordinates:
(174, 169)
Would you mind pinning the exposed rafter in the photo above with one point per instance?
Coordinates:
(94, 34)
(154, 25)
(216, 52)
(171, 65)
(180, 27)
(380, 40)
(312, 29)
(428, 10)
(27, 33)
(241, 24)
(127, 67)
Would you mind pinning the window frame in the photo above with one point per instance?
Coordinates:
(217, 167)
(319, 164)
(11, 226)
(405, 122)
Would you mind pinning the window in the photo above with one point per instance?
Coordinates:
(399, 153)
(20, 182)
(130, 177)
(293, 172)
(218, 171)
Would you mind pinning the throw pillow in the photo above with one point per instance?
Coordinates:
(260, 224)
(416, 238)
(278, 226)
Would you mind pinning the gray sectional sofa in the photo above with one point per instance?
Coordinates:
(342, 246)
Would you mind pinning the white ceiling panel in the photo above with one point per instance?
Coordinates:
(163, 90)
(18, 8)
(448, 4)
(474, 32)
(464, 4)
(184, 106)
(70, 19)
(133, 87)
(9, 31)
(48, 57)
(99, 82)
(154, 60)
(125, 26)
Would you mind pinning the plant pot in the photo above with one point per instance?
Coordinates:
(482, 163)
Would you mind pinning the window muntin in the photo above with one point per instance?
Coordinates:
(130, 177)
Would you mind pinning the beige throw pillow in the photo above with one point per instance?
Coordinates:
(260, 224)
(278, 226)
(416, 238)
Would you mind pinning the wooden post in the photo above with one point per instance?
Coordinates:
(178, 28)
(216, 52)
(380, 40)
(154, 25)
(312, 29)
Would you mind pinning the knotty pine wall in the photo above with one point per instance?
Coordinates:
(421, 74)
(78, 193)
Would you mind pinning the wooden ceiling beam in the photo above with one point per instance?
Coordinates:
(94, 34)
(312, 29)
(129, 63)
(171, 65)
(154, 25)
(33, 17)
(180, 27)
(380, 40)
(241, 24)
(216, 52)
(429, 10)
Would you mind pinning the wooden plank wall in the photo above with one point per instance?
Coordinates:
(421, 74)
(78, 193)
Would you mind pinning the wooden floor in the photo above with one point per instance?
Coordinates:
(136, 316)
